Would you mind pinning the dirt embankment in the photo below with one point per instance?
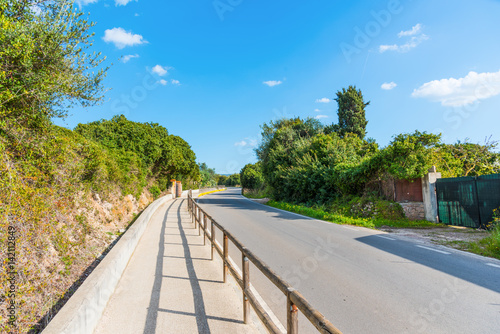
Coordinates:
(65, 253)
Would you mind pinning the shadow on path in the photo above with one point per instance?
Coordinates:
(199, 304)
(154, 302)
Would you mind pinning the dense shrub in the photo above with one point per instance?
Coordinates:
(233, 180)
(251, 176)
(303, 162)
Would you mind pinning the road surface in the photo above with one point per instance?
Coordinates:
(362, 280)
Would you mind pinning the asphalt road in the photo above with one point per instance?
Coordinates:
(362, 280)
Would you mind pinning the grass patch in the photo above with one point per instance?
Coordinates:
(489, 246)
(322, 214)
(255, 193)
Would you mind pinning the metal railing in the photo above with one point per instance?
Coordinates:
(295, 300)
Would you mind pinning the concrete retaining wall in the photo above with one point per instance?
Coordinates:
(84, 309)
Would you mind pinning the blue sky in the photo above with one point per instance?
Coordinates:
(213, 71)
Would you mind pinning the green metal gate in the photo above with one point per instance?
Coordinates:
(468, 201)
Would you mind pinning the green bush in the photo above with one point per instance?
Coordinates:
(251, 176)
(373, 207)
(155, 191)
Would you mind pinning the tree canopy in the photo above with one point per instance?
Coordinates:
(166, 156)
(44, 66)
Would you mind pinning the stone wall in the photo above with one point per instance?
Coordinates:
(414, 210)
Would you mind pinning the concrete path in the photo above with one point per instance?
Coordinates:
(171, 286)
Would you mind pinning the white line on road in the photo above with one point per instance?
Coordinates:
(493, 265)
(432, 249)
(350, 228)
(383, 236)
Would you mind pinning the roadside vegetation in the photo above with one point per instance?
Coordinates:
(489, 246)
(232, 180)
(380, 220)
(66, 194)
(335, 173)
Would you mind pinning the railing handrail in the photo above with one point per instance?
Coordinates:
(295, 300)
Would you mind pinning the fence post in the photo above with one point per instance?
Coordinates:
(194, 215)
(292, 317)
(246, 286)
(192, 210)
(199, 223)
(224, 258)
(205, 230)
(212, 237)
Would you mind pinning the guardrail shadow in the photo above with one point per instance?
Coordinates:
(154, 304)
(154, 308)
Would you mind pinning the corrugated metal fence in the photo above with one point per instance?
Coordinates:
(468, 201)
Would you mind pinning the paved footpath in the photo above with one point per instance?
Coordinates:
(171, 286)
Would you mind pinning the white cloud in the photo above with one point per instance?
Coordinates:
(321, 116)
(384, 48)
(417, 37)
(126, 58)
(121, 38)
(247, 142)
(414, 31)
(241, 143)
(175, 82)
(388, 85)
(317, 110)
(272, 83)
(160, 70)
(412, 43)
(323, 100)
(85, 2)
(122, 2)
(162, 82)
(463, 91)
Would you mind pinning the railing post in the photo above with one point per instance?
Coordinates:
(199, 223)
(204, 230)
(292, 318)
(192, 211)
(246, 287)
(195, 214)
(224, 258)
(212, 237)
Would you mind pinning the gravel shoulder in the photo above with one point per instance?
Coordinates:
(451, 236)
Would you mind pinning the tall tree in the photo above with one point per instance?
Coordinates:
(351, 112)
